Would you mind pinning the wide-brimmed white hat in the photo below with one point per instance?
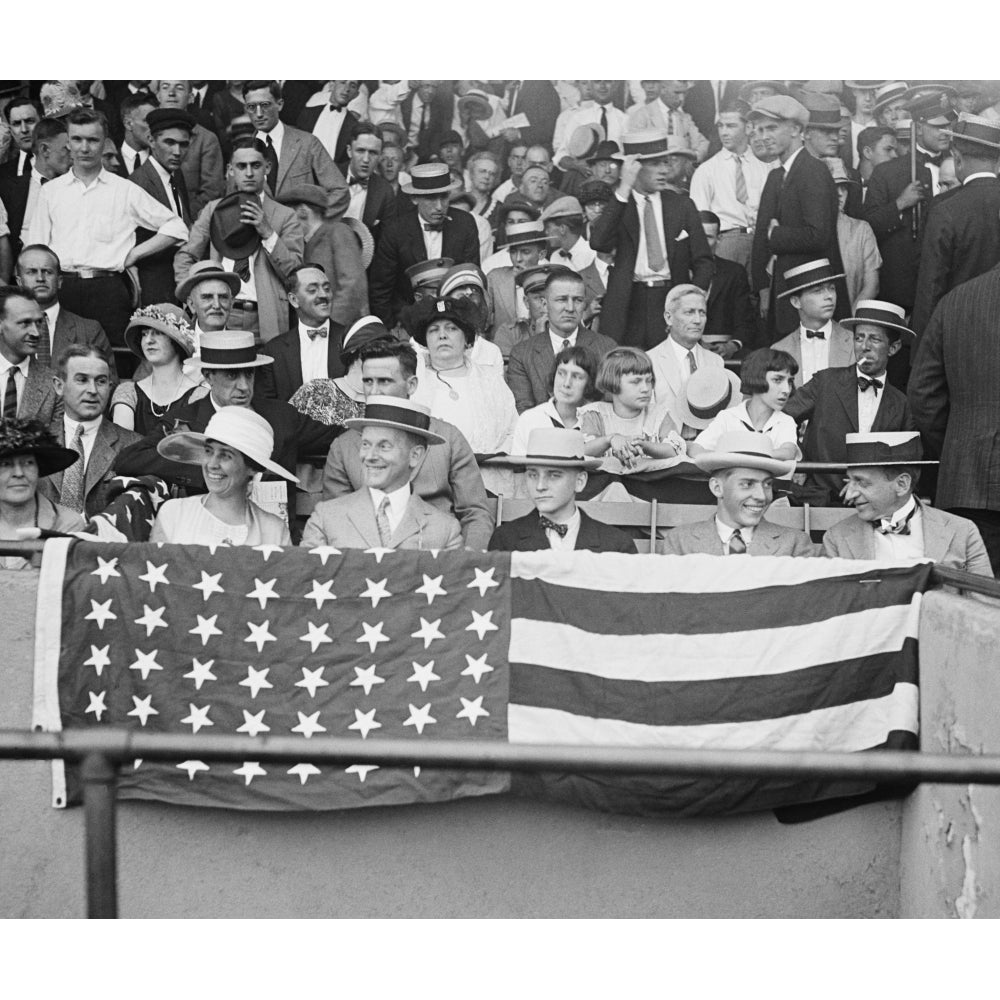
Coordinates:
(706, 394)
(237, 426)
(557, 448)
(743, 450)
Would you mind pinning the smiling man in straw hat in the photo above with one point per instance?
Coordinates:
(386, 513)
(883, 469)
(555, 470)
(741, 471)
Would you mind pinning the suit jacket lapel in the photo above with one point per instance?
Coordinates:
(841, 347)
(33, 390)
(101, 455)
(889, 412)
(764, 541)
(289, 150)
(412, 523)
(847, 393)
(937, 534)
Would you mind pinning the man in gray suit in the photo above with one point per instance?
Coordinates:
(741, 471)
(890, 522)
(26, 388)
(386, 513)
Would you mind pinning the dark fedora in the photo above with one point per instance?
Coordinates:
(160, 119)
(230, 236)
(824, 110)
(607, 150)
(591, 191)
(30, 437)
(815, 272)
(973, 128)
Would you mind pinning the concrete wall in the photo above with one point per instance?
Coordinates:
(950, 862)
(477, 858)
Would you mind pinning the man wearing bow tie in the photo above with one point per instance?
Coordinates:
(372, 197)
(311, 349)
(333, 123)
(883, 470)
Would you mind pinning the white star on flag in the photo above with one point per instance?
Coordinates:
(197, 718)
(361, 770)
(423, 674)
(255, 680)
(308, 725)
(472, 710)
(304, 771)
(201, 672)
(420, 717)
(364, 722)
(373, 635)
(99, 659)
(477, 666)
(376, 591)
(428, 631)
(267, 550)
(142, 709)
(483, 581)
(136, 763)
(96, 705)
(145, 663)
(481, 624)
(206, 629)
(378, 552)
(312, 679)
(100, 613)
(264, 592)
(316, 636)
(155, 575)
(321, 592)
(209, 585)
(366, 678)
(106, 568)
(259, 635)
(151, 619)
(432, 588)
(324, 552)
(192, 767)
(253, 724)
(251, 769)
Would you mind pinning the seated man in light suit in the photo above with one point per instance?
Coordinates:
(386, 513)
(555, 470)
(741, 472)
(890, 522)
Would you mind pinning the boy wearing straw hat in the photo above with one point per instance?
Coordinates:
(883, 469)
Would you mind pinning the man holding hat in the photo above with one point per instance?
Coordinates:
(333, 247)
(599, 111)
(666, 113)
(853, 398)
(525, 242)
(730, 326)
(797, 221)
(386, 513)
(555, 471)
(160, 176)
(657, 239)
(889, 522)
(253, 236)
(427, 233)
(741, 473)
(962, 230)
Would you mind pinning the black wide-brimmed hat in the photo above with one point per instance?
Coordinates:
(418, 317)
(30, 437)
(230, 236)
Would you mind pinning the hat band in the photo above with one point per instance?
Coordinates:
(429, 183)
(642, 148)
(824, 119)
(756, 454)
(557, 458)
(878, 316)
(707, 412)
(819, 276)
(880, 453)
(227, 356)
(397, 415)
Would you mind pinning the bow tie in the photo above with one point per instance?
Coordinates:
(358, 181)
(815, 333)
(886, 527)
(565, 254)
(869, 383)
(936, 160)
(320, 331)
(428, 228)
(559, 529)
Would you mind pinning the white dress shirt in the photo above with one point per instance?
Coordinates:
(815, 351)
(868, 402)
(504, 189)
(93, 225)
(557, 339)
(328, 125)
(588, 113)
(384, 102)
(579, 256)
(52, 315)
(5, 369)
(642, 268)
(713, 188)
(398, 499)
(934, 169)
(165, 179)
(567, 542)
(909, 546)
(359, 198)
(132, 158)
(90, 429)
(545, 415)
(277, 135)
(780, 427)
(726, 533)
(433, 239)
(315, 352)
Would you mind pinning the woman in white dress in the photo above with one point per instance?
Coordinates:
(234, 450)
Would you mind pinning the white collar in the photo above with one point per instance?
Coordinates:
(903, 513)
(827, 329)
(398, 499)
(680, 351)
(89, 426)
(726, 532)
(982, 173)
(325, 325)
(571, 337)
(162, 171)
(21, 366)
(276, 134)
(791, 159)
(52, 315)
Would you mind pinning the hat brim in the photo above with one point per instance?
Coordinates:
(419, 192)
(533, 241)
(50, 459)
(363, 233)
(661, 155)
(856, 321)
(359, 423)
(229, 277)
(548, 462)
(476, 106)
(133, 336)
(684, 410)
(985, 143)
(188, 447)
(809, 284)
(898, 461)
(258, 362)
(715, 461)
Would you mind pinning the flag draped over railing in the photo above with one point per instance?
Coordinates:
(568, 648)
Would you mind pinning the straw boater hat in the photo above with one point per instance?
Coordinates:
(584, 140)
(678, 145)
(237, 426)
(207, 270)
(30, 437)
(555, 448)
(477, 103)
(815, 272)
(884, 314)
(645, 144)
(168, 319)
(743, 450)
(864, 84)
(522, 234)
(885, 448)
(428, 273)
(230, 236)
(428, 179)
(708, 392)
(394, 411)
(888, 93)
(229, 349)
(364, 237)
(974, 128)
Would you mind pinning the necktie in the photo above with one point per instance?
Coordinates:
(670, 122)
(559, 529)
(423, 119)
(272, 165)
(741, 182)
(178, 188)
(886, 527)
(382, 521)
(692, 364)
(869, 383)
(44, 353)
(26, 169)
(780, 171)
(654, 253)
(816, 333)
(737, 547)
(195, 103)
(512, 98)
(71, 494)
(320, 331)
(604, 120)
(241, 268)
(44, 180)
(566, 345)
(10, 395)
